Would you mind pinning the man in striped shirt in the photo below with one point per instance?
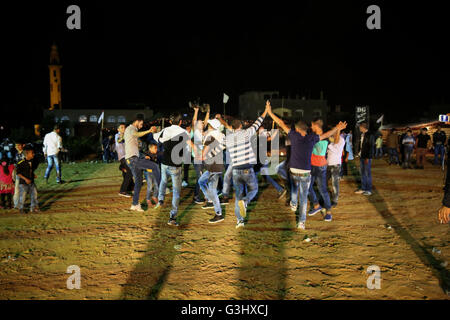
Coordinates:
(242, 159)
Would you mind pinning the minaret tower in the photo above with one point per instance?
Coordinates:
(55, 79)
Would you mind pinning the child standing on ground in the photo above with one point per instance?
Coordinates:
(379, 147)
(6, 183)
(152, 184)
(25, 171)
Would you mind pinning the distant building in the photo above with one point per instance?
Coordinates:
(55, 79)
(85, 121)
(253, 103)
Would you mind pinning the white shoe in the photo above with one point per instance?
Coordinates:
(301, 225)
(167, 191)
(184, 184)
(240, 225)
(367, 193)
(137, 208)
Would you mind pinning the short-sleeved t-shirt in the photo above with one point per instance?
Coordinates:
(301, 149)
(318, 158)
(422, 140)
(26, 168)
(334, 155)
(379, 142)
(131, 142)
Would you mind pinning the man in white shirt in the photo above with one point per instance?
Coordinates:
(334, 160)
(52, 147)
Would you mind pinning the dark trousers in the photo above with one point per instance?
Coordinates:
(127, 183)
(186, 172)
(137, 167)
(6, 200)
(198, 173)
(344, 167)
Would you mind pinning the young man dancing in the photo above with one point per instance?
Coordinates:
(302, 144)
(243, 159)
(213, 169)
(133, 161)
(334, 159)
(319, 174)
(174, 139)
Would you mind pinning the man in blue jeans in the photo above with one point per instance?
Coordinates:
(439, 139)
(213, 170)
(197, 135)
(174, 139)
(334, 160)
(262, 166)
(136, 164)
(319, 167)
(366, 155)
(302, 144)
(52, 147)
(243, 159)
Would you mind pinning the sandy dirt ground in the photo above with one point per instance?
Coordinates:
(128, 255)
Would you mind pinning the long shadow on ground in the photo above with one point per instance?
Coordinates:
(427, 258)
(49, 194)
(263, 266)
(150, 274)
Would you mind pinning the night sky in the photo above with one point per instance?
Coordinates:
(163, 55)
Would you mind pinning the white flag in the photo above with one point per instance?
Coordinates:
(380, 119)
(225, 98)
(101, 117)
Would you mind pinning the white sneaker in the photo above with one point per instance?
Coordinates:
(240, 225)
(137, 208)
(167, 191)
(367, 193)
(184, 184)
(301, 225)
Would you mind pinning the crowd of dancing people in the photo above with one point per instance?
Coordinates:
(226, 155)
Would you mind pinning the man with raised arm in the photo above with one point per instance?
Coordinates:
(302, 144)
(197, 134)
(243, 159)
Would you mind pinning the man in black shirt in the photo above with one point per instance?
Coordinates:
(444, 211)
(25, 172)
(439, 139)
(422, 146)
(174, 140)
(366, 155)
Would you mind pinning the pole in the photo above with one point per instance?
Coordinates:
(101, 131)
